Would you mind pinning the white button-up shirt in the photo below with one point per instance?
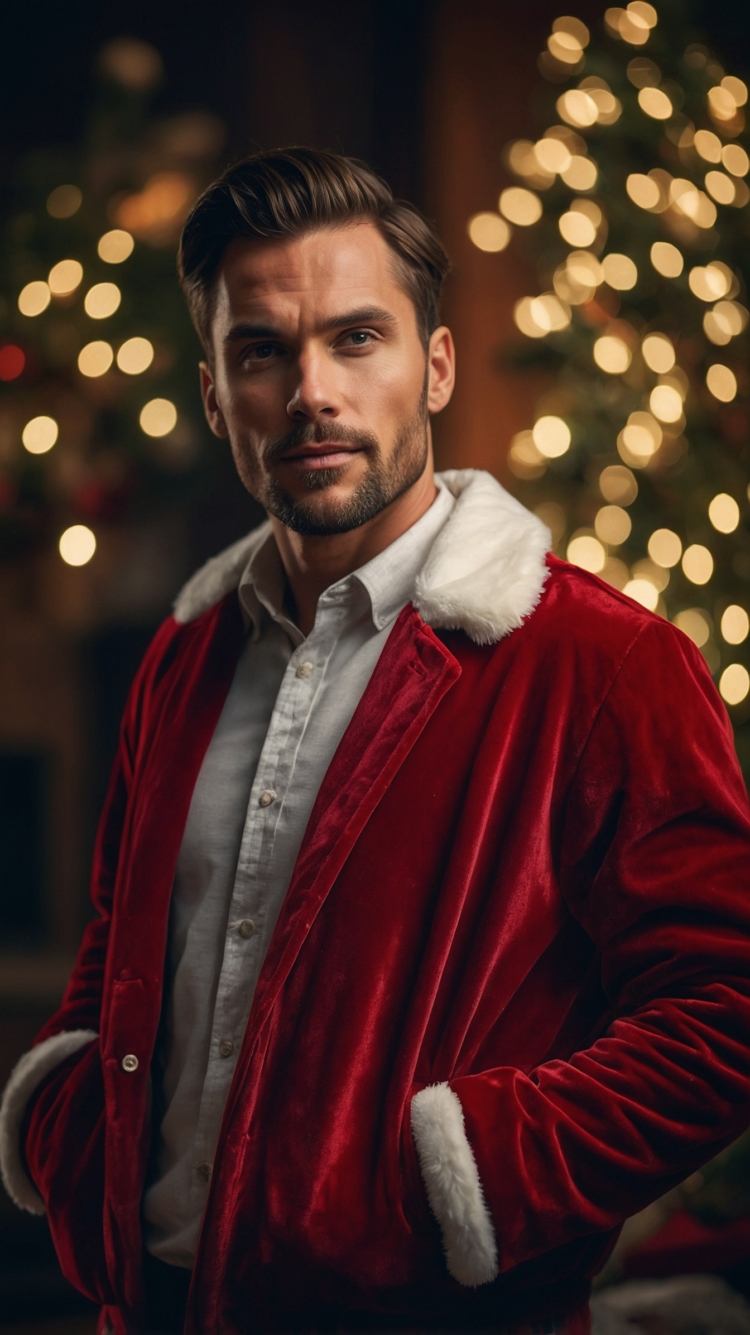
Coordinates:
(288, 707)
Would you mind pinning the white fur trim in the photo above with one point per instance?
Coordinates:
(485, 573)
(451, 1178)
(28, 1074)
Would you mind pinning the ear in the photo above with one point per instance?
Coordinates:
(441, 369)
(214, 415)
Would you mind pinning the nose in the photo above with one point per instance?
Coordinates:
(315, 392)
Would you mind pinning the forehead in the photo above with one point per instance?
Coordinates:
(331, 270)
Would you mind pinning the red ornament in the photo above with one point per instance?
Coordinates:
(12, 362)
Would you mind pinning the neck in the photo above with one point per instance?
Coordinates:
(313, 564)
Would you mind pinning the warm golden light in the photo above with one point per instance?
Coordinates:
(643, 190)
(580, 174)
(158, 417)
(644, 592)
(617, 484)
(537, 316)
(159, 208)
(658, 353)
(735, 624)
(64, 201)
(694, 623)
(135, 356)
(520, 206)
(525, 316)
(613, 525)
(708, 282)
(523, 161)
(577, 279)
(95, 359)
(735, 159)
(39, 435)
(664, 548)
(708, 145)
(736, 88)
(620, 272)
(665, 403)
(724, 322)
(721, 187)
(77, 545)
(102, 300)
(721, 382)
(734, 683)
(644, 11)
(587, 552)
(577, 229)
(115, 246)
(551, 436)
(721, 104)
(612, 355)
(666, 259)
(552, 155)
(639, 439)
(574, 27)
(34, 298)
(724, 513)
(655, 103)
(524, 459)
(577, 108)
(564, 47)
(697, 564)
(694, 203)
(64, 277)
(488, 231)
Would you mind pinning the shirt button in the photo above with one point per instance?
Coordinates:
(267, 798)
(204, 1170)
(246, 928)
(304, 669)
(129, 1062)
(226, 1047)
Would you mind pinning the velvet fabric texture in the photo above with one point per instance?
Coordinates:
(526, 874)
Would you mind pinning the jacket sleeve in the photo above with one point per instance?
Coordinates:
(653, 860)
(75, 1025)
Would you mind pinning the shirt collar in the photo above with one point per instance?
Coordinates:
(388, 579)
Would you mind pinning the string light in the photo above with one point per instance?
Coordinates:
(489, 232)
(721, 382)
(95, 359)
(724, 513)
(552, 155)
(612, 355)
(666, 258)
(708, 282)
(724, 322)
(135, 356)
(64, 201)
(115, 246)
(158, 417)
(708, 145)
(694, 203)
(587, 552)
(665, 402)
(524, 458)
(102, 300)
(644, 592)
(34, 298)
(639, 439)
(552, 437)
(665, 548)
(77, 545)
(577, 108)
(720, 187)
(65, 277)
(617, 484)
(655, 103)
(735, 624)
(538, 316)
(619, 271)
(695, 623)
(658, 353)
(735, 159)
(39, 435)
(734, 683)
(613, 525)
(643, 190)
(580, 174)
(520, 206)
(697, 564)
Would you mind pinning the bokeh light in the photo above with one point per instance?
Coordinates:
(552, 155)
(580, 174)
(708, 282)
(724, 513)
(720, 187)
(667, 259)
(115, 246)
(639, 439)
(694, 203)
(695, 623)
(620, 272)
(489, 232)
(577, 108)
(39, 435)
(135, 356)
(524, 459)
(707, 145)
(735, 159)
(64, 201)
(77, 545)
(735, 624)
(551, 435)
(643, 190)
(64, 277)
(587, 552)
(12, 361)
(158, 417)
(734, 683)
(577, 229)
(724, 322)
(665, 402)
(34, 298)
(95, 359)
(520, 206)
(658, 353)
(102, 300)
(655, 103)
(612, 355)
(697, 563)
(665, 548)
(644, 592)
(613, 525)
(721, 382)
(618, 484)
(538, 316)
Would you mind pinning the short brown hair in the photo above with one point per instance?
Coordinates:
(288, 192)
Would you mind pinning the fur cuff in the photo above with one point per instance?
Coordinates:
(453, 1187)
(31, 1070)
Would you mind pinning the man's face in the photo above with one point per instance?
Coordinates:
(319, 377)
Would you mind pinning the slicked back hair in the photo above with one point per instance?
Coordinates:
(291, 192)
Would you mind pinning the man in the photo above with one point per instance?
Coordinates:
(421, 956)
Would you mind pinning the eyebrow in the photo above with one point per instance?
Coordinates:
(363, 315)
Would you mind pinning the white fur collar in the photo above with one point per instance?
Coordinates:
(484, 574)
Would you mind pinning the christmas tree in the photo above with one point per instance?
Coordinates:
(633, 202)
(101, 418)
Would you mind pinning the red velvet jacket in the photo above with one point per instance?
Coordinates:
(514, 955)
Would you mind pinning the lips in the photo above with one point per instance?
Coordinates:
(321, 454)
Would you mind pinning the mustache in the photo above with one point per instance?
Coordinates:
(315, 433)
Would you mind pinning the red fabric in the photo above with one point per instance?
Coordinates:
(686, 1246)
(526, 872)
